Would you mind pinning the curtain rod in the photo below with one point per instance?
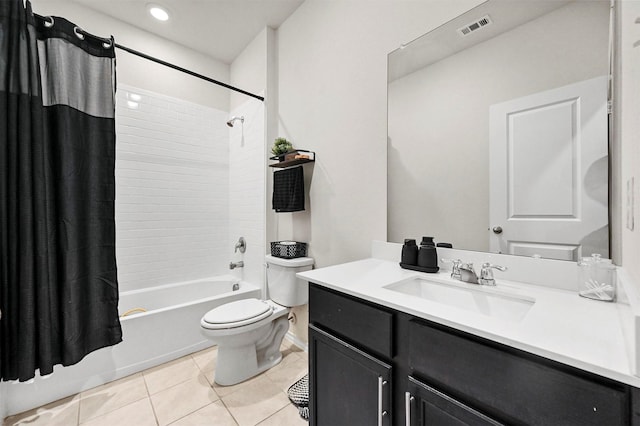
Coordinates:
(186, 71)
(49, 21)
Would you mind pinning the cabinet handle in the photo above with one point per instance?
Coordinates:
(408, 399)
(381, 412)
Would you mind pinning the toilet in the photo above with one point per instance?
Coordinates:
(249, 332)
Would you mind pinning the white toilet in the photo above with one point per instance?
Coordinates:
(249, 332)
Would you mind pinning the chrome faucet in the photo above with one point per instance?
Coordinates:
(240, 245)
(486, 274)
(234, 265)
(468, 274)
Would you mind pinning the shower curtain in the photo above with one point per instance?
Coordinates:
(58, 279)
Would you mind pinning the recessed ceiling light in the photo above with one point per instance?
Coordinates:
(158, 12)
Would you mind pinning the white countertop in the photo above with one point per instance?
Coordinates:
(560, 325)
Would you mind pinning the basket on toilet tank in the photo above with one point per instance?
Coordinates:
(288, 249)
(282, 284)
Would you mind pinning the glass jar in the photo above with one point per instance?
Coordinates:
(597, 278)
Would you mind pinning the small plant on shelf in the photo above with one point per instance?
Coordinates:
(280, 147)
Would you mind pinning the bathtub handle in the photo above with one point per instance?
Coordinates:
(241, 245)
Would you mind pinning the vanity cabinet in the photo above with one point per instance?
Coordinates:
(370, 364)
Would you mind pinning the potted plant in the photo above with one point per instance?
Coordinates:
(280, 147)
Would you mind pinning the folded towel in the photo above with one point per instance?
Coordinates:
(288, 190)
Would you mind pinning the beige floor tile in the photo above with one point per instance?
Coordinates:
(304, 356)
(59, 413)
(287, 357)
(111, 396)
(188, 397)
(213, 414)
(170, 374)
(255, 402)
(288, 416)
(206, 359)
(286, 374)
(178, 401)
(228, 390)
(288, 347)
(139, 413)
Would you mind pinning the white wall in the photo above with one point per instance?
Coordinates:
(628, 103)
(248, 157)
(332, 79)
(332, 67)
(143, 73)
(172, 174)
(439, 119)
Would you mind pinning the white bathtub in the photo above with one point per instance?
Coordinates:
(169, 329)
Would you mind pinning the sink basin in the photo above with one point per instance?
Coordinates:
(491, 303)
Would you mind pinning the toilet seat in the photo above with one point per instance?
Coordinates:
(236, 314)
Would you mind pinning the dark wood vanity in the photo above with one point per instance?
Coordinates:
(372, 365)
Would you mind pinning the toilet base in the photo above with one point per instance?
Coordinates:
(239, 362)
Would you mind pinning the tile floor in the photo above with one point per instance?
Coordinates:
(181, 393)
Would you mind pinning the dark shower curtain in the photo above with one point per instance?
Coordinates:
(58, 278)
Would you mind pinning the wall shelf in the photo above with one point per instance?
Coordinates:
(289, 159)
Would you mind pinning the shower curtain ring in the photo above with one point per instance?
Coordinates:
(109, 44)
(47, 23)
(79, 32)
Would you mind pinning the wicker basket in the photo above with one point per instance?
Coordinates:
(288, 249)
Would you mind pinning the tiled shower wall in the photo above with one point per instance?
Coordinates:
(247, 157)
(172, 190)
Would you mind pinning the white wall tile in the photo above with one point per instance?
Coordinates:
(247, 188)
(172, 190)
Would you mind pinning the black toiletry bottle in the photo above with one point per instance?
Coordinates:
(409, 252)
(427, 256)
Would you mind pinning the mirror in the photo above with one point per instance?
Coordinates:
(497, 131)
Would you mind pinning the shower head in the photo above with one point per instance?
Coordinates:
(233, 119)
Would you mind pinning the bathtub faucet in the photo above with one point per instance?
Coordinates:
(234, 265)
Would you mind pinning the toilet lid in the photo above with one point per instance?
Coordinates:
(240, 312)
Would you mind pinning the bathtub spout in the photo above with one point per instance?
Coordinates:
(234, 265)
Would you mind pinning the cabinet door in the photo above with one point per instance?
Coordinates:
(425, 405)
(346, 386)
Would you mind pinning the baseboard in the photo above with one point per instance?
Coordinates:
(299, 343)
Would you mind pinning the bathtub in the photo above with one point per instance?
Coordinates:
(168, 328)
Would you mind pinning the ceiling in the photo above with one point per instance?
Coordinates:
(218, 28)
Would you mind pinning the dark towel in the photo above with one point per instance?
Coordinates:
(288, 190)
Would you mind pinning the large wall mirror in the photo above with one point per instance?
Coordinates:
(498, 130)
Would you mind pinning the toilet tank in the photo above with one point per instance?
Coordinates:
(283, 286)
